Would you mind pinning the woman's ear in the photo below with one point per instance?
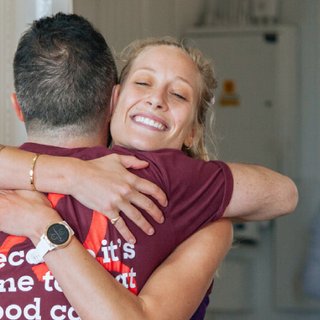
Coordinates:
(16, 106)
(114, 98)
(188, 142)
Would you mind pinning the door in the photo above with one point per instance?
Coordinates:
(245, 116)
(256, 122)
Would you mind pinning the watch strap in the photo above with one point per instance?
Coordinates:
(35, 256)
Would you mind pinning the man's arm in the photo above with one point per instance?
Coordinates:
(260, 193)
(174, 291)
(113, 188)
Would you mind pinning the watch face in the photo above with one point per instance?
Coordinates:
(58, 233)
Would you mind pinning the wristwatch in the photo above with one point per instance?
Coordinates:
(57, 235)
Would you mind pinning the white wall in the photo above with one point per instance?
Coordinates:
(306, 14)
(9, 129)
(123, 21)
(15, 16)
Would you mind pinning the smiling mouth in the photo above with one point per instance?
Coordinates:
(150, 122)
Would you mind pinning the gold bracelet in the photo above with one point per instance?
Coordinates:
(31, 172)
(2, 147)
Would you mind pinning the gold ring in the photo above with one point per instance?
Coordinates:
(115, 220)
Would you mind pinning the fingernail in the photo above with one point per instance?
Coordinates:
(161, 220)
(132, 240)
(150, 231)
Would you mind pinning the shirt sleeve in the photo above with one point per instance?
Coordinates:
(199, 193)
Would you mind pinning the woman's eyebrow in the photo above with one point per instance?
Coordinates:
(144, 69)
(150, 69)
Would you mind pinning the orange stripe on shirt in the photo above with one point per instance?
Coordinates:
(10, 242)
(54, 198)
(97, 232)
(40, 270)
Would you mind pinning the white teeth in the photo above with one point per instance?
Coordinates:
(150, 122)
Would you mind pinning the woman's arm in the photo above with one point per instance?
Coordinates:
(174, 290)
(112, 187)
(260, 193)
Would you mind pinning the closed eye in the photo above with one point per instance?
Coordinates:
(141, 83)
(179, 96)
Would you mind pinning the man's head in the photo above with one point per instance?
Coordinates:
(64, 73)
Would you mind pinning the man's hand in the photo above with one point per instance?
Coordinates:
(25, 213)
(105, 185)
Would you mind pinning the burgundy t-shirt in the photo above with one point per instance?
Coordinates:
(198, 193)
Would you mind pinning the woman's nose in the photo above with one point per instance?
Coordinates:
(157, 100)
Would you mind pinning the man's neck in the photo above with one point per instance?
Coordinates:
(68, 141)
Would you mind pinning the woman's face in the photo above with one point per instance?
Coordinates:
(156, 104)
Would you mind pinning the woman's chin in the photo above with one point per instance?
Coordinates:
(145, 145)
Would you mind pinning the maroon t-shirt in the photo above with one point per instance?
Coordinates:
(198, 193)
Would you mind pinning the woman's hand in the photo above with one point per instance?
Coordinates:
(105, 185)
(25, 213)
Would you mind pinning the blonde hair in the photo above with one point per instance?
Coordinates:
(206, 95)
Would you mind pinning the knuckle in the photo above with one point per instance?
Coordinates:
(149, 205)
(155, 192)
(153, 187)
(136, 216)
(108, 207)
(126, 190)
(116, 199)
(134, 180)
(120, 225)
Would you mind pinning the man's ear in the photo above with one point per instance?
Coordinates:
(16, 107)
(114, 98)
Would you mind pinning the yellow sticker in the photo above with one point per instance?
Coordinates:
(229, 96)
